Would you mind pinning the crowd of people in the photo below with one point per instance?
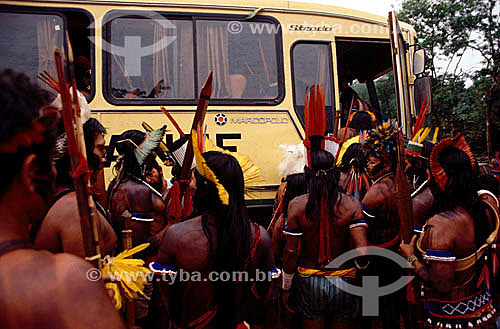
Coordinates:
(334, 204)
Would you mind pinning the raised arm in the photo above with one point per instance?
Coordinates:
(439, 269)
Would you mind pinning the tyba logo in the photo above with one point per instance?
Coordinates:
(132, 51)
(370, 291)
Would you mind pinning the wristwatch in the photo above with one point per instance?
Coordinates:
(412, 259)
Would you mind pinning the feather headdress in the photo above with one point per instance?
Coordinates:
(437, 170)
(419, 134)
(315, 123)
(251, 172)
(150, 142)
(292, 161)
(205, 171)
(381, 141)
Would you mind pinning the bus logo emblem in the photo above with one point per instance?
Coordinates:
(220, 119)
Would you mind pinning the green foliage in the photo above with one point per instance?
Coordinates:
(446, 29)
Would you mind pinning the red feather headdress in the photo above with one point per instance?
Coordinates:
(437, 170)
(315, 123)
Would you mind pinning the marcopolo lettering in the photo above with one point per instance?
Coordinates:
(259, 120)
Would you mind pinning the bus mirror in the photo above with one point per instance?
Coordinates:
(418, 61)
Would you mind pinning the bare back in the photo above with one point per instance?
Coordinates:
(346, 210)
(422, 206)
(383, 215)
(451, 231)
(138, 198)
(186, 247)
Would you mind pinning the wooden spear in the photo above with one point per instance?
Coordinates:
(402, 193)
(76, 149)
(199, 117)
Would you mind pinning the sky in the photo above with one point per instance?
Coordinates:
(471, 60)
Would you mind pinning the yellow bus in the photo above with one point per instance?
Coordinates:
(135, 56)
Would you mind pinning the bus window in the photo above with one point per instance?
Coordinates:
(312, 64)
(369, 62)
(167, 73)
(244, 63)
(27, 42)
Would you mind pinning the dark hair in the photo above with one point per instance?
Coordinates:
(321, 180)
(490, 183)
(361, 121)
(461, 189)
(128, 164)
(418, 170)
(232, 228)
(82, 70)
(91, 129)
(295, 186)
(127, 149)
(354, 157)
(20, 102)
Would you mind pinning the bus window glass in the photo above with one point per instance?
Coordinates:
(244, 62)
(167, 73)
(27, 42)
(312, 65)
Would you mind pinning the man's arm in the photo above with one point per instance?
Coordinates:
(440, 272)
(292, 235)
(268, 290)
(357, 230)
(358, 225)
(371, 201)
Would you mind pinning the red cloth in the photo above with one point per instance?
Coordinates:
(175, 207)
(325, 253)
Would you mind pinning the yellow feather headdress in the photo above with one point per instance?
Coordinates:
(251, 172)
(205, 171)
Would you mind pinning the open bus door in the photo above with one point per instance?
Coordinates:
(421, 86)
(399, 49)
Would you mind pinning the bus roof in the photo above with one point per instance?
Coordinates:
(264, 5)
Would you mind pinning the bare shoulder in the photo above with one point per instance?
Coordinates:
(56, 282)
(439, 232)
(298, 203)
(177, 233)
(349, 204)
(64, 209)
(265, 238)
(376, 194)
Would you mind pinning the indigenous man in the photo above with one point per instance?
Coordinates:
(221, 241)
(353, 178)
(360, 121)
(295, 186)
(456, 243)
(382, 217)
(60, 230)
(59, 294)
(154, 177)
(134, 204)
(495, 165)
(417, 156)
(130, 191)
(322, 225)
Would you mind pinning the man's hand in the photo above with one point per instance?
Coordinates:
(284, 298)
(406, 250)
